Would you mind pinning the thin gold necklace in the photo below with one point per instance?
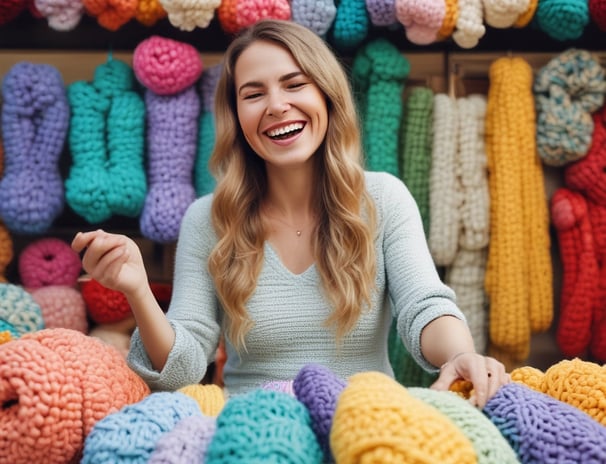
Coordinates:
(298, 230)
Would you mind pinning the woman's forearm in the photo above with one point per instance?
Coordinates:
(444, 338)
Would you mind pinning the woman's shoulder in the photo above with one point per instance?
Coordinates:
(383, 186)
(198, 213)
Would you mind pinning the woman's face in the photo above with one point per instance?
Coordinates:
(281, 111)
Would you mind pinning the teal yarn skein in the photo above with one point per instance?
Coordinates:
(350, 26)
(562, 19)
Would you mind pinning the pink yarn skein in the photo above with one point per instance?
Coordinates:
(49, 261)
(150, 65)
(62, 307)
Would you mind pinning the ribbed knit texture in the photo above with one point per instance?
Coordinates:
(542, 429)
(579, 383)
(149, 12)
(264, 426)
(210, 397)
(57, 383)
(187, 15)
(236, 15)
(62, 15)
(35, 118)
(106, 141)
(470, 24)
(378, 75)
(422, 21)
(111, 14)
(567, 90)
(317, 16)
(350, 26)
(104, 305)
(377, 420)
(488, 443)
(203, 180)
(562, 19)
(49, 261)
(186, 442)
(382, 12)
(597, 12)
(61, 307)
(19, 310)
(503, 13)
(318, 388)
(130, 434)
(519, 251)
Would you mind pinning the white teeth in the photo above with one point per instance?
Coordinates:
(285, 129)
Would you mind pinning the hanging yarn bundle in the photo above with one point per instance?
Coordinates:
(562, 19)
(317, 16)
(55, 384)
(49, 261)
(6, 241)
(263, 426)
(449, 22)
(519, 250)
(149, 12)
(382, 13)
(203, 180)
(567, 90)
(469, 28)
(111, 14)
(422, 21)
(169, 70)
(19, 312)
(62, 15)
(542, 429)
(527, 16)
(504, 13)
(187, 442)
(187, 15)
(236, 15)
(379, 72)
(106, 139)
(350, 26)
(35, 119)
(131, 434)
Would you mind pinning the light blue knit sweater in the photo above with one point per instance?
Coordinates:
(289, 310)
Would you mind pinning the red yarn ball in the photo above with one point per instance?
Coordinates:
(105, 306)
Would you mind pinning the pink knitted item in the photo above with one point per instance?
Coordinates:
(105, 306)
(62, 307)
(166, 66)
(422, 20)
(55, 385)
(49, 261)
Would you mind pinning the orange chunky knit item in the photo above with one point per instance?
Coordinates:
(6, 242)
(149, 12)
(55, 384)
(111, 14)
(377, 420)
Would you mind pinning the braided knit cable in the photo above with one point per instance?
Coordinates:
(597, 11)
(6, 241)
(562, 19)
(186, 15)
(422, 20)
(106, 139)
(317, 16)
(504, 13)
(61, 15)
(35, 119)
(111, 14)
(470, 27)
(567, 91)
(351, 24)
(378, 73)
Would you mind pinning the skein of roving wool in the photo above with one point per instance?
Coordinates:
(168, 69)
(49, 261)
(187, 442)
(35, 119)
(542, 429)
(378, 73)
(562, 19)
(10, 9)
(111, 14)
(350, 26)
(6, 241)
(210, 397)
(422, 21)
(203, 180)
(377, 420)
(504, 13)
(62, 307)
(579, 383)
(264, 426)
(149, 12)
(106, 139)
(382, 13)
(236, 15)
(19, 312)
(131, 434)
(470, 27)
(61, 15)
(55, 384)
(567, 90)
(317, 16)
(519, 251)
(318, 388)
(187, 15)
(597, 12)
(488, 442)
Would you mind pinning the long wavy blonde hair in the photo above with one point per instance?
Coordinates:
(343, 244)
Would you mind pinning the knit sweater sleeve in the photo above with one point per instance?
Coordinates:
(193, 311)
(417, 294)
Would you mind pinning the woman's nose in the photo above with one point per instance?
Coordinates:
(277, 104)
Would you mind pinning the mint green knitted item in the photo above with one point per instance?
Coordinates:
(490, 445)
(106, 141)
(350, 26)
(378, 74)
(417, 147)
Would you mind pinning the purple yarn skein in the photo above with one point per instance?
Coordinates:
(35, 120)
(541, 428)
(318, 388)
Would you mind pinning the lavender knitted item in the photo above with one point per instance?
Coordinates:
(542, 429)
(106, 140)
(172, 132)
(382, 12)
(35, 119)
(264, 426)
(130, 435)
(317, 16)
(62, 15)
(187, 442)
(19, 310)
(318, 388)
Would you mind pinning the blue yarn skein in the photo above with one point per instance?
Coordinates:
(562, 19)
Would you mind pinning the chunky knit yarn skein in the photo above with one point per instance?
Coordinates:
(562, 19)
(104, 305)
(317, 16)
(6, 241)
(422, 21)
(49, 261)
(236, 15)
(55, 384)
(111, 14)
(350, 26)
(35, 119)
(61, 15)
(469, 28)
(187, 442)
(210, 397)
(19, 312)
(62, 307)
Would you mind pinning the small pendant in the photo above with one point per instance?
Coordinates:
(298, 233)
